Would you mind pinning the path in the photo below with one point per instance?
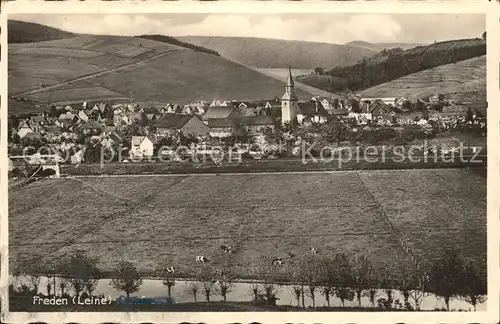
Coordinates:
(93, 75)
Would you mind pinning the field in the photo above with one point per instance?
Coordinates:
(461, 77)
(149, 219)
(277, 53)
(176, 78)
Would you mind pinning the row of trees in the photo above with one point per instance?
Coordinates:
(341, 276)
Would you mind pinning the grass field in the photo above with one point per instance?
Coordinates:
(461, 77)
(176, 78)
(147, 220)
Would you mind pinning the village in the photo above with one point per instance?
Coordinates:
(78, 134)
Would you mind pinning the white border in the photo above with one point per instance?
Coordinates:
(493, 57)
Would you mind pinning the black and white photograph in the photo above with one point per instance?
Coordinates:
(178, 162)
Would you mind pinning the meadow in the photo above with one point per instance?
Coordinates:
(150, 219)
(461, 77)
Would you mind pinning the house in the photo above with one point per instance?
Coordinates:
(254, 125)
(325, 102)
(186, 124)
(78, 157)
(341, 112)
(24, 129)
(39, 119)
(84, 115)
(111, 139)
(217, 112)
(434, 99)
(400, 102)
(52, 130)
(390, 101)
(221, 127)
(67, 115)
(311, 111)
(142, 146)
(33, 136)
(217, 103)
(151, 113)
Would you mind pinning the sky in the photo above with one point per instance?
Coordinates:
(329, 28)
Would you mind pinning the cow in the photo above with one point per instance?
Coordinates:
(226, 248)
(278, 261)
(313, 250)
(201, 259)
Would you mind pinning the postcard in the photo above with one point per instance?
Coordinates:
(271, 162)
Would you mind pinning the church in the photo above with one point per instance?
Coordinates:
(292, 109)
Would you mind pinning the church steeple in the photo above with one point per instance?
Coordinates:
(290, 87)
(289, 100)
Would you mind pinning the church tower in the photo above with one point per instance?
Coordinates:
(289, 101)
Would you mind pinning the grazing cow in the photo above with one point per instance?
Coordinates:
(291, 255)
(226, 248)
(201, 259)
(170, 270)
(278, 261)
(313, 250)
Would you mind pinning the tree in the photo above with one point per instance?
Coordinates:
(441, 97)
(445, 276)
(470, 115)
(319, 71)
(254, 286)
(473, 286)
(208, 282)
(294, 273)
(126, 278)
(225, 279)
(310, 271)
(374, 284)
(82, 271)
(484, 36)
(361, 273)
(167, 275)
(407, 106)
(269, 274)
(335, 103)
(327, 278)
(193, 287)
(344, 279)
(355, 107)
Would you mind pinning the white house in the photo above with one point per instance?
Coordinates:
(324, 102)
(390, 101)
(361, 118)
(77, 157)
(24, 129)
(82, 114)
(141, 146)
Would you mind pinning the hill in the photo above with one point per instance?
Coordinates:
(26, 32)
(380, 46)
(274, 53)
(392, 64)
(117, 68)
(466, 79)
